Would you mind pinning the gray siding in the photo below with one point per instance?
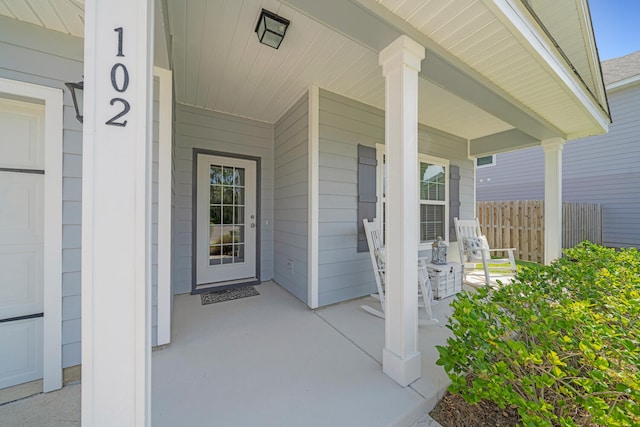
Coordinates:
(344, 123)
(599, 169)
(23, 58)
(343, 273)
(518, 175)
(198, 128)
(291, 196)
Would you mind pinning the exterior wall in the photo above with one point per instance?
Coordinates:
(343, 273)
(517, 175)
(22, 55)
(344, 123)
(198, 128)
(599, 169)
(291, 195)
(23, 58)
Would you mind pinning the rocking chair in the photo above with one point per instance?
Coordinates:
(378, 261)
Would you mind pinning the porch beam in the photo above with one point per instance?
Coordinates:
(375, 27)
(502, 142)
(116, 213)
(400, 66)
(552, 198)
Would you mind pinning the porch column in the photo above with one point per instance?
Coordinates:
(552, 198)
(400, 66)
(116, 214)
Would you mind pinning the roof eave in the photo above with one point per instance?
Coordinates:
(523, 25)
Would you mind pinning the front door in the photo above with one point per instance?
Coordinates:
(226, 221)
(21, 241)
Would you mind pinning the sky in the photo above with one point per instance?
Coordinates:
(616, 24)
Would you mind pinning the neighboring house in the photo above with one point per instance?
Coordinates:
(251, 163)
(599, 169)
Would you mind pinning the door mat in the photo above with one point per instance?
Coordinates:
(228, 295)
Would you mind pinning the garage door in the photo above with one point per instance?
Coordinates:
(21, 241)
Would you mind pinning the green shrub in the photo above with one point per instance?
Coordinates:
(561, 344)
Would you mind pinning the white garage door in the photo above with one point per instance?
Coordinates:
(21, 241)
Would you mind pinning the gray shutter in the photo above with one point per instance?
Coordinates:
(454, 200)
(367, 197)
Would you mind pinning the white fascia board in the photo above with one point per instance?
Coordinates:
(313, 196)
(515, 17)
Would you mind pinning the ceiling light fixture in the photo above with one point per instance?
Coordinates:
(271, 28)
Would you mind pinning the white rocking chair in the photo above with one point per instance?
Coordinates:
(474, 250)
(378, 261)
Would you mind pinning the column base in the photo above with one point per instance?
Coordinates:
(404, 371)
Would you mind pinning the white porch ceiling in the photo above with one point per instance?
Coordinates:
(66, 16)
(220, 65)
(481, 35)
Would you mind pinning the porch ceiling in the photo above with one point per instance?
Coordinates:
(491, 67)
(220, 65)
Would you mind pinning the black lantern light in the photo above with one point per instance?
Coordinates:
(77, 90)
(271, 28)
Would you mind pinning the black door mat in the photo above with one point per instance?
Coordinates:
(228, 295)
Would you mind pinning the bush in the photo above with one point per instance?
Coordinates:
(560, 344)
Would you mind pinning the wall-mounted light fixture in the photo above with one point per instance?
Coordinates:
(77, 90)
(271, 28)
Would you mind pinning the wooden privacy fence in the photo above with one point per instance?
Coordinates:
(520, 225)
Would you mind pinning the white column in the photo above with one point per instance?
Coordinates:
(116, 214)
(400, 66)
(552, 198)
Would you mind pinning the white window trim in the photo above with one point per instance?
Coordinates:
(424, 158)
(493, 162)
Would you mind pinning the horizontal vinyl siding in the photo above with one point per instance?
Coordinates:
(23, 58)
(517, 175)
(291, 198)
(600, 169)
(344, 123)
(208, 130)
(343, 273)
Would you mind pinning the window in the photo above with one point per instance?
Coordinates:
(485, 161)
(433, 196)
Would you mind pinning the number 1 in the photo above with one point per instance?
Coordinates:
(119, 30)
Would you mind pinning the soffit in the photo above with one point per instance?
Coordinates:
(66, 16)
(220, 65)
(484, 38)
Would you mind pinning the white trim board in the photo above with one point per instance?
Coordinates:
(313, 197)
(164, 204)
(53, 102)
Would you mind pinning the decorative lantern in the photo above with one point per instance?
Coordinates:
(439, 252)
(77, 89)
(271, 28)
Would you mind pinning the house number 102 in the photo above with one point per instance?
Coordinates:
(120, 82)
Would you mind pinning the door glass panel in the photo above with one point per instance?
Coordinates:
(226, 215)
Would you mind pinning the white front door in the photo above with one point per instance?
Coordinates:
(226, 221)
(21, 241)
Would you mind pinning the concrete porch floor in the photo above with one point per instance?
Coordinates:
(268, 360)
